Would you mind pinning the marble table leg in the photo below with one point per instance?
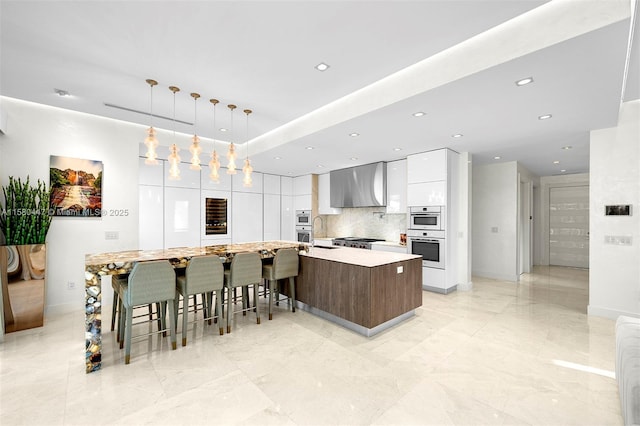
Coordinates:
(93, 321)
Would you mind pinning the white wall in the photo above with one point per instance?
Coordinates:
(614, 270)
(495, 205)
(34, 132)
(465, 200)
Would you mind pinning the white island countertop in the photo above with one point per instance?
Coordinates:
(357, 256)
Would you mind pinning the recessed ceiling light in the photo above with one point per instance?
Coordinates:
(354, 134)
(419, 114)
(497, 157)
(397, 149)
(556, 162)
(353, 158)
(222, 129)
(457, 135)
(309, 147)
(563, 170)
(277, 158)
(322, 66)
(545, 117)
(524, 81)
(320, 166)
(61, 92)
(567, 147)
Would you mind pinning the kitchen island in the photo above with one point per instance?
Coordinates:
(363, 290)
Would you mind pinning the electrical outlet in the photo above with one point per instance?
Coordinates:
(71, 285)
(494, 229)
(400, 269)
(618, 240)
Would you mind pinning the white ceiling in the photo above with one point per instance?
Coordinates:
(261, 55)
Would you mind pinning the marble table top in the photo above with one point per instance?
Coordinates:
(357, 256)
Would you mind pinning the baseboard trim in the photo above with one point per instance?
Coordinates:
(494, 276)
(598, 311)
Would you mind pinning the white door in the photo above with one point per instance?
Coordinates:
(569, 226)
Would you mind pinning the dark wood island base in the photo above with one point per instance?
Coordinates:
(365, 291)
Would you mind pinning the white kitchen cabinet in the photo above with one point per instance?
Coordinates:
(324, 195)
(286, 185)
(303, 185)
(397, 186)
(256, 185)
(271, 184)
(271, 217)
(427, 166)
(181, 217)
(217, 238)
(151, 217)
(224, 183)
(287, 218)
(302, 202)
(188, 178)
(246, 217)
(151, 174)
(427, 193)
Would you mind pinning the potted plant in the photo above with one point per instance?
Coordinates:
(24, 221)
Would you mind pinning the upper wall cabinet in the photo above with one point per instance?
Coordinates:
(324, 195)
(150, 174)
(256, 185)
(397, 186)
(271, 184)
(188, 178)
(303, 185)
(286, 185)
(224, 183)
(428, 166)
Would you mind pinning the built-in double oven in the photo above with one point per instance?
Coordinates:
(303, 226)
(426, 235)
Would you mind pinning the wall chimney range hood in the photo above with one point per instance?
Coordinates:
(361, 186)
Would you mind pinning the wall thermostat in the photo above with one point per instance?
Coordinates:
(618, 210)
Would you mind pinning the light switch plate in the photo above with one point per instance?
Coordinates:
(494, 229)
(111, 235)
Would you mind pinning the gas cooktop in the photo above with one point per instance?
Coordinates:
(356, 242)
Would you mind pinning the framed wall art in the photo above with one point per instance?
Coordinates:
(76, 187)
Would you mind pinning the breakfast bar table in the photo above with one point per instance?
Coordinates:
(98, 265)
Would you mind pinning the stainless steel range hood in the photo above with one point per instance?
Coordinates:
(361, 186)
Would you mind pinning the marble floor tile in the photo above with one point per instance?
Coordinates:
(503, 353)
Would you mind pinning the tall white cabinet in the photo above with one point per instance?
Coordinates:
(287, 212)
(432, 180)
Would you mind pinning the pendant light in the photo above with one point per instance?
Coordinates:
(214, 164)
(174, 158)
(247, 169)
(151, 142)
(195, 148)
(231, 155)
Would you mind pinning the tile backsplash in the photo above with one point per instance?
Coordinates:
(368, 222)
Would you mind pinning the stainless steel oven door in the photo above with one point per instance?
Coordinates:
(431, 249)
(303, 234)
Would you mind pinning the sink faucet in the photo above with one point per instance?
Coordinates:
(313, 224)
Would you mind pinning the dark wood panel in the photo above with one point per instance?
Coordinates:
(393, 294)
(365, 296)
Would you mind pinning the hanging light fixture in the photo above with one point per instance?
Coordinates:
(214, 164)
(174, 158)
(151, 142)
(231, 155)
(195, 148)
(247, 169)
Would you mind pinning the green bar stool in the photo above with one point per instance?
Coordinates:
(285, 265)
(245, 270)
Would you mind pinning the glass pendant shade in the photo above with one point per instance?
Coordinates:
(214, 164)
(214, 167)
(195, 150)
(174, 159)
(151, 156)
(247, 169)
(231, 154)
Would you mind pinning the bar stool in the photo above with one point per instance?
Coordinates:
(204, 274)
(149, 282)
(117, 283)
(285, 265)
(245, 270)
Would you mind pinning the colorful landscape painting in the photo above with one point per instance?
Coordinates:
(76, 187)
